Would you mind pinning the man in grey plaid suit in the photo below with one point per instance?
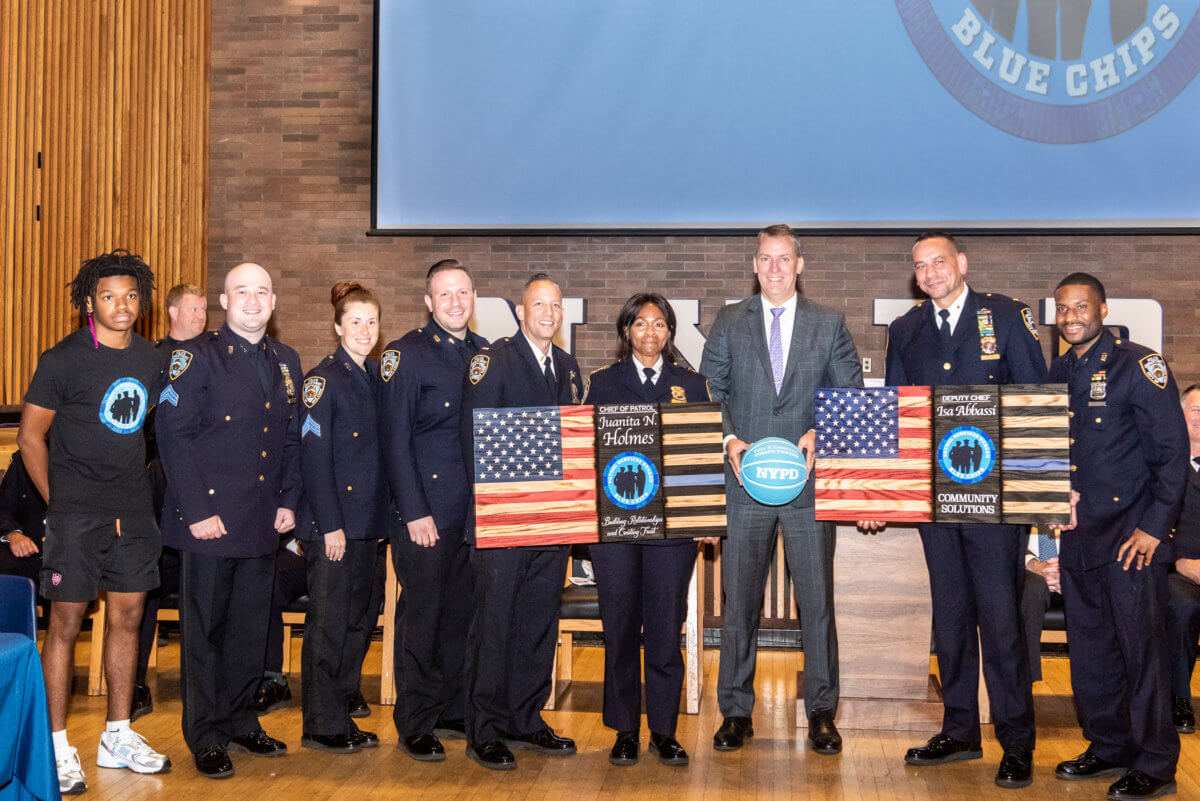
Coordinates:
(763, 359)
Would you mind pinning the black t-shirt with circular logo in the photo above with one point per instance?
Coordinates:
(100, 397)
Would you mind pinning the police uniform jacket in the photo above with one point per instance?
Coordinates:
(1129, 449)
(1187, 528)
(340, 459)
(505, 375)
(21, 505)
(623, 382)
(994, 342)
(228, 447)
(420, 424)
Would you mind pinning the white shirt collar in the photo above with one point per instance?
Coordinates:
(540, 356)
(955, 309)
(639, 369)
(789, 305)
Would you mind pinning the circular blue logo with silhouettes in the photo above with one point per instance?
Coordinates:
(630, 480)
(1059, 73)
(967, 455)
(124, 406)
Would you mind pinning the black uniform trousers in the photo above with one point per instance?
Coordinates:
(291, 583)
(433, 619)
(1119, 664)
(1035, 602)
(518, 593)
(223, 608)
(168, 576)
(1183, 629)
(976, 573)
(643, 591)
(337, 628)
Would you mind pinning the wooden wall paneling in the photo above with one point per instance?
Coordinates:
(114, 93)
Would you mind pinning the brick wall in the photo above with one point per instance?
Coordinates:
(290, 134)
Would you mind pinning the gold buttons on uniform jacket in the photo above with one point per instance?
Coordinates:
(212, 492)
(1097, 419)
(356, 433)
(260, 478)
(265, 429)
(268, 404)
(349, 489)
(227, 418)
(1116, 499)
(435, 475)
(1071, 441)
(1070, 414)
(1072, 468)
(447, 404)
(946, 366)
(264, 454)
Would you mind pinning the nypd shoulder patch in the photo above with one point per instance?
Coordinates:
(388, 363)
(1154, 367)
(310, 426)
(478, 368)
(1027, 317)
(180, 360)
(314, 385)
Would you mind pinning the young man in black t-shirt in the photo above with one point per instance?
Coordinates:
(90, 394)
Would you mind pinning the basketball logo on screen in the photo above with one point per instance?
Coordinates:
(966, 455)
(1056, 71)
(124, 406)
(630, 480)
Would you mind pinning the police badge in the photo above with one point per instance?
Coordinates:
(678, 395)
(180, 359)
(388, 363)
(314, 385)
(478, 368)
(1155, 369)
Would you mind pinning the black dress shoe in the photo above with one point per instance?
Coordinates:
(625, 749)
(1137, 786)
(733, 732)
(668, 750)
(1181, 715)
(494, 755)
(1016, 768)
(143, 703)
(358, 707)
(261, 743)
(214, 763)
(942, 749)
(364, 739)
(333, 743)
(271, 695)
(451, 729)
(823, 735)
(423, 747)
(1087, 766)
(545, 741)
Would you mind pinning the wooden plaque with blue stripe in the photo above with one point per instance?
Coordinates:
(1035, 454)
(693, 470)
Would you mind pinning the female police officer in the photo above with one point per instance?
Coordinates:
(643, 586)
(342, 516)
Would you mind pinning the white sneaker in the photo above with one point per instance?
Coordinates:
(70, 774)
(128, 749)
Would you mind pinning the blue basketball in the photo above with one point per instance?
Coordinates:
(773, 471)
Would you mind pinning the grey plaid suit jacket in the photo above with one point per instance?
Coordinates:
(738, 368)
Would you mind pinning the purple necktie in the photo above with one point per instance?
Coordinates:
(775, 348)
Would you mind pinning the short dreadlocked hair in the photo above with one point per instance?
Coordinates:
(119, 262)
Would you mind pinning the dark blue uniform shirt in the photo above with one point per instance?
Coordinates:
(228, 447)
(1129, 449)
(340, 458)
(994, 342)
(421, 424)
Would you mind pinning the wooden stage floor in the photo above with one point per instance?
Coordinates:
(774, 765)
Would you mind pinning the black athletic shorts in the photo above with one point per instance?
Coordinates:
(83, 554)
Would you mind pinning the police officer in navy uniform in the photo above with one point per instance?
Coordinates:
(342, 517)
(976, 571)
(1129, 454)
(1183, 610)
(229, 437)
(420, 425)
(517, 590)
(643, 585)
(187, 311)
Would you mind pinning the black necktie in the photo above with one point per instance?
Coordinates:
(944, 328)
(649, 371)
(549, 372)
